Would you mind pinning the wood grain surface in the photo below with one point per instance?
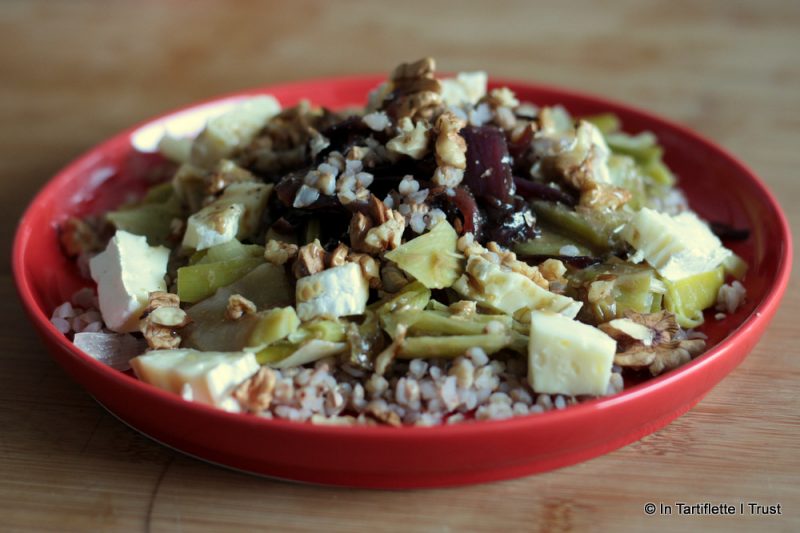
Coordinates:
(73, 73)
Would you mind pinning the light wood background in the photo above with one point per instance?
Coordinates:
(72, 73)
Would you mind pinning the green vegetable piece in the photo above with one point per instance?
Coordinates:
(688, 297)
(645, 151)
(274, 325)
(152, 217)
(158, 194)
(593, 228)
(276, 352)
(230, 251)
(199, 281)
(452, 346)
(631, 288)
(210, 329)
(413, 296)
(605, 122)
(321, 329)
(433, 323)
(550, 242)
(431, 258)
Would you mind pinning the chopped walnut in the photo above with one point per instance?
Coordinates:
(415, 92)
(278, 252)
(310, 260)
(78, 237)
(463, 308)
(412, 139)
(338, 256)
(451, 148)
(255, 394)
(226, 173)
(383, 230)
(509, 260)
(238, 306)
(370, 268)
(553, 271)
(649, 340)
(161, 319)
(169, 316)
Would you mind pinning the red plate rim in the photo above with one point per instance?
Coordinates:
(763, 311)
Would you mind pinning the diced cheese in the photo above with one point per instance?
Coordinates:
(338, 291)
(205, 377)
(174, 148)
(568, 357)
(236, 214)
(126, 272)
(253, 198)
(230, 131)
(676, 246)
(506, 291)
(216, 223)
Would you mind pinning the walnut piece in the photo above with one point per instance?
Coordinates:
(370, 268)
(255, 394)
(338, 256)
(415, 92)
(451, 148)
(278, 252)
(78, 237)
(238, 306)
(310, 260)
(226, 173)
(382, 230)
(653, 345)
(161, 319)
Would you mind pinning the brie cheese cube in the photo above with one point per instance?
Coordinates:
(568, 357)
(205, 377)
(508, 292)
(338, 291)
(676, 246)
(216, 223)
(232, 130)
(253, 199)
(125, 273)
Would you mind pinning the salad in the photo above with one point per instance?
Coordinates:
(447, 253)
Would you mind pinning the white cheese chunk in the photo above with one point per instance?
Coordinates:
(338, 291)
(236, 214)
(568, 357)
(676, 246)
(253, 198)
(506, 291)
(232, 130)
(216, 223)
(125, 273)
(205, 377)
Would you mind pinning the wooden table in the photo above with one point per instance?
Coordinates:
(75, 72)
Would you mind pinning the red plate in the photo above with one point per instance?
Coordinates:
(718, 186)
